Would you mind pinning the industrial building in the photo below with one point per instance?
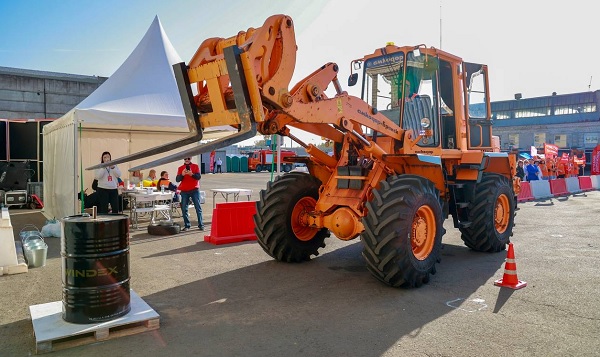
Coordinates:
(569, 121)
(30, 99)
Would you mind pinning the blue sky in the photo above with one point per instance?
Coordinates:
(533, 47)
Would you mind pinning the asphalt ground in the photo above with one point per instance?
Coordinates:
(234, 300)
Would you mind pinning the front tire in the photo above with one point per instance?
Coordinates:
(491, 213)
(279, 229)
(403, 231)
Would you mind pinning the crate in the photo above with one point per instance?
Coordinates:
(15, 198)
(36, 188)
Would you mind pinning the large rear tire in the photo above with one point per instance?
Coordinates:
(403, 231)
(491, 213)
(278, 213)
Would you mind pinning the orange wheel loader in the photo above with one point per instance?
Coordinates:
(415, 148)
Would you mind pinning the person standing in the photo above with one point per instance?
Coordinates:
(532, 172)
(520, 170)
(107, 186)
(188, 176)
(540, 175)
(219, 163)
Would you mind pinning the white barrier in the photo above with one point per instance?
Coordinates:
(573, 184)
(9, 262)
(8, 255)
(596, 181)
(540, 189)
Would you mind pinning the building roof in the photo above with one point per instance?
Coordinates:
(49, 75)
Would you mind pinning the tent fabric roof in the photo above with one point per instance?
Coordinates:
(143, 85)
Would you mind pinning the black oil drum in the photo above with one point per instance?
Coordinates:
(95, 268)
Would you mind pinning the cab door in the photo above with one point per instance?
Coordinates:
(478, 111)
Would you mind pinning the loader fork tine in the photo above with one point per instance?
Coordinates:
(249, 132)
(153, 151)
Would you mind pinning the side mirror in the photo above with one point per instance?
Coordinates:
(352, 79)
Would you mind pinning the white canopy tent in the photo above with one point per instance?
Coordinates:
(137, 108)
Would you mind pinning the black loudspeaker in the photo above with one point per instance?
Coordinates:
(14, 175)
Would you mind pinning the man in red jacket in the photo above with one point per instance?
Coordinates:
(188, 176)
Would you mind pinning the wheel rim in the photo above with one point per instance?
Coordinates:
(299, 219)
(423, 232)
(502, 213)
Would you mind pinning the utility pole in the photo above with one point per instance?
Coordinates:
(440, 24)
(278, 137)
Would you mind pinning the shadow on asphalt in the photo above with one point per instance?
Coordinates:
(198, 247)
(328, 306)
(503, 296)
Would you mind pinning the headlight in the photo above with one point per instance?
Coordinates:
(425, 123)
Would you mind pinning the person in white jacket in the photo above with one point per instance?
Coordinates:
(107, 186)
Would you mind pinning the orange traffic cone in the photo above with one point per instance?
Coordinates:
(510, 280)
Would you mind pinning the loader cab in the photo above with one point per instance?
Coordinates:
(423, 89)
(401, 83)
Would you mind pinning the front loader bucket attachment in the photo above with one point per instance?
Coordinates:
(243, 115)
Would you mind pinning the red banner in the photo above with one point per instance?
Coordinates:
(564, 158)
(596, 161)
(212, 162)
(550, 150)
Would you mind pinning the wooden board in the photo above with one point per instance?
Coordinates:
(52, 333)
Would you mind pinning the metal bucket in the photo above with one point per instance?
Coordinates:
(36, 255)
(29, 230)
(95, 268)
(32, 240)
(35, 250)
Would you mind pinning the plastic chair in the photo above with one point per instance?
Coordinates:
(162, 206)
(140, 206)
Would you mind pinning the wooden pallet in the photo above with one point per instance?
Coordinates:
(52, 333)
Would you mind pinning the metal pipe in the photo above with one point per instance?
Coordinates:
(360, 137)
(298, 141)
(337, 86)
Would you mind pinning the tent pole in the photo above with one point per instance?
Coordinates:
(81, 174)
(75, 155)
